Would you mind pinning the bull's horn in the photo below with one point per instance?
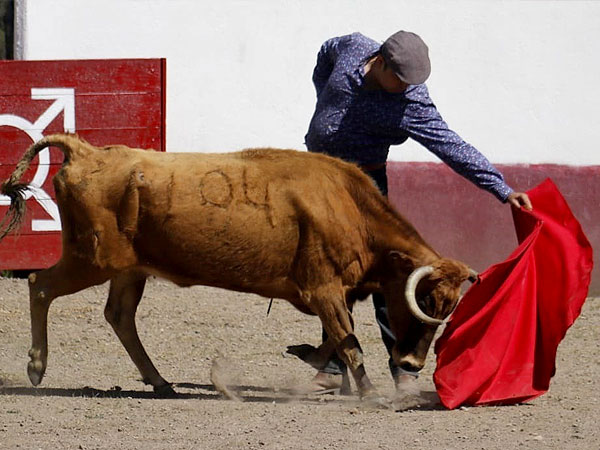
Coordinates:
(411, 287)
(473, 276)
(409, 293)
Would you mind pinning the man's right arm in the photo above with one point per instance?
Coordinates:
(325, 62)
(423, 123)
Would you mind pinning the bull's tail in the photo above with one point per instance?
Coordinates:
(15, 190)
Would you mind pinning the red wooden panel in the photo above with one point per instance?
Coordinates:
(91, 76)
(467, 223)
(119, 101)
(123, 111)
(30, 251)
(94, 111)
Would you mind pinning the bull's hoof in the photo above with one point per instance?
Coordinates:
(165, 391)
(36, 367)
(35, 371)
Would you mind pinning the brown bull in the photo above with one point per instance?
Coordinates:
(299, 226)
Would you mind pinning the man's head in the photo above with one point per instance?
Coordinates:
(407, 56)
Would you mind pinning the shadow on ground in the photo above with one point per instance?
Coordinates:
(428, 401)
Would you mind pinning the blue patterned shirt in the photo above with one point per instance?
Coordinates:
(359, 125)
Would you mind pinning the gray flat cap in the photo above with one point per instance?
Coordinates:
(408, 57)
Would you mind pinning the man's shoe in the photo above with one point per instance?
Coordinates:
(326, 383)
(408, 395)
(406, 384)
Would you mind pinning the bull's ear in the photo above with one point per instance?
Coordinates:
(401, 261)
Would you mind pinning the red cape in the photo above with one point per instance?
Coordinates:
(499, 346)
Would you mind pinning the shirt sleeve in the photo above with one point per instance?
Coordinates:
(325, 63)
(423, 123)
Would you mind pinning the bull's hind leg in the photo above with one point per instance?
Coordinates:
(123, 299)
(338, 324)
(44, 286)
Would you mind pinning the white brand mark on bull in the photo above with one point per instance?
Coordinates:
(64, 101)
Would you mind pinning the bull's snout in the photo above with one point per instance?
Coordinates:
(410, 362)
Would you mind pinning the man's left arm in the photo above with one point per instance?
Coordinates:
(424, 124)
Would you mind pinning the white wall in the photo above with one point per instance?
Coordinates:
(518, 79)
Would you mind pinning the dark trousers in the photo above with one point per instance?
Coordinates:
(335, 365)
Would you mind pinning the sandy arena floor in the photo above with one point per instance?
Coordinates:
(92, 398)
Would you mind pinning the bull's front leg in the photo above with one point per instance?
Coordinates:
(349, 350)
(337, 321)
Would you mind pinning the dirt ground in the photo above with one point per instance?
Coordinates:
(92, 397)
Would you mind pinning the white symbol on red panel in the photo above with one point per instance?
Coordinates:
(64, 101)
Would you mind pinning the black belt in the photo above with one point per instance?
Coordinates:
(372, 167)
